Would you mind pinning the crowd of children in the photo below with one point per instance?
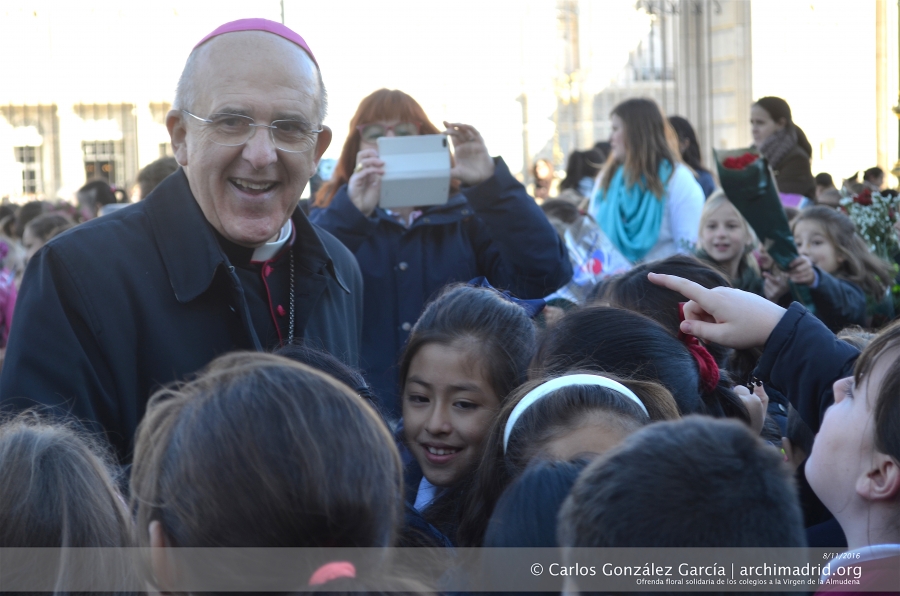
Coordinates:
(687, 402)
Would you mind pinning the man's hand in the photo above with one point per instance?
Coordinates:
(725, 316)
(364, 186)
(802, 272)
(473, 162)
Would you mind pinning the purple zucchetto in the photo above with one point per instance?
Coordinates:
(261, 25)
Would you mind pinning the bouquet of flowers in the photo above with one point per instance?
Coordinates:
(875, 215)
(748, 184)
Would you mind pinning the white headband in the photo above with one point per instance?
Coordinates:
(558, 383)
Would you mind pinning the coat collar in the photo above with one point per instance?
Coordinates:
(189, 249)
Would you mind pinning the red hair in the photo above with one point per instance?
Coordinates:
(384, 104)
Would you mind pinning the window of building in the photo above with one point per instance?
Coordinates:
(104, 160)
(29, 159)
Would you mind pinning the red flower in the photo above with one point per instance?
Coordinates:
(863, 198)
(739, 163)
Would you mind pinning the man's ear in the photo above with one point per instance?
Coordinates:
(178, 134)
(322, 143)
(159, 557)
(882, 481)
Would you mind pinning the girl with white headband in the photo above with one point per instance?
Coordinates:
(579, 414)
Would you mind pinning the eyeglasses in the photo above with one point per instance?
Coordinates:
(231, 130)
(371, 132)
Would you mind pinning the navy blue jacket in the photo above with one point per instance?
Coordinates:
(493, 229)
(802, 359)
(839, 303)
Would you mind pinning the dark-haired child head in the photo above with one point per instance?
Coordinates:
(261, 451)
(467, 352)
(58, 489)
(698, 482)
(525, 515)
(630, 345)
(576, 415)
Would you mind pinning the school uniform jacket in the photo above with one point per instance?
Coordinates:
(493, 229)
(118, 306)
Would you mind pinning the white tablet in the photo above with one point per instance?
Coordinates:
(416, 171)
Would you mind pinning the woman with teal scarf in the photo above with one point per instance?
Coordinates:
(647, 201)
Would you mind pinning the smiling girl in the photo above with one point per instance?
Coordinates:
(726, 242)
(468, 351)
(843, 276)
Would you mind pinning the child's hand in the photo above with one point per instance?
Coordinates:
(802, 271)
(775, 285)
(755, 406)
(725, 316)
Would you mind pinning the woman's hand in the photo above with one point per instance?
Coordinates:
(364, 186)
(775, 285)
(802, 272)
(725, 316)
(473, 162)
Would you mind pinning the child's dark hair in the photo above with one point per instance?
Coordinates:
(555, 415)
(859, 265)
(48, 225)
(698, 482)
(261, 451)
(798, 432)
(685, 132)
(581, 164)
(325, 362)
(634, 291)
(58, 490)
(872, 173)
(501, 330)
(886, 405)
(628, 344)
(526, 515)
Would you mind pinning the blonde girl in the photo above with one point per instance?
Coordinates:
(726, 241)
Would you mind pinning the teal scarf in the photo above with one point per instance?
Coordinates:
(631, 216)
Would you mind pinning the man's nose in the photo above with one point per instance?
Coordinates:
(259, 149)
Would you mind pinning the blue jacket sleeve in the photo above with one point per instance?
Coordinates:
(838, 302)
(53, 360)
(344, 220)
(516, 246)
(802, 359)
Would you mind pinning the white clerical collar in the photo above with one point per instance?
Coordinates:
(270, 249)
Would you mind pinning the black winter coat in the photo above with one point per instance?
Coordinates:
(116, 307)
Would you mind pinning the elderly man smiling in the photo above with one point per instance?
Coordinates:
(217, 258)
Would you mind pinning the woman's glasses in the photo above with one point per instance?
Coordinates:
(371, 132)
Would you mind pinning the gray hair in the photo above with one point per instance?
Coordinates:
(185, 91)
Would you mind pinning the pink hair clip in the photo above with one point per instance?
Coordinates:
(331, 571)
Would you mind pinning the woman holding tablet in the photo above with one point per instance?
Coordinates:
(488, 227)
